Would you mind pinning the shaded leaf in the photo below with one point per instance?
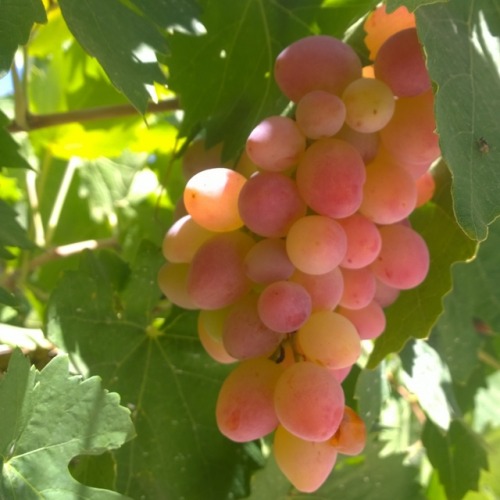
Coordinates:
(411, 5)
(11, 232)
(371, 392)
(98, 471)
(49, 417)
(458, 455)
(10, 156)
(467, 105)
(8, 298)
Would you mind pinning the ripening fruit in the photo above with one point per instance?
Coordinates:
(369, 320)
(172, 280)
(426, 185)
(359, 288)
(198, 158)
(306, 464)
(217, 276)
(400, 64)
(369, 105)
(365, 144)
(385, 295)
(316, 244)
(245, 408)
(320, 114)
(403, 261)
(276, 143)
(330, 178)
(316, 63)
(350, 439)
(214, 348)
(213, 321)
(211, 198)
(269, 204)
(329, 339)
(309, 401)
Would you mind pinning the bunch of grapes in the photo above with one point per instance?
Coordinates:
(292, 264)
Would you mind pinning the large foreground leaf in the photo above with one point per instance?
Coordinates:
(164, 377)
(49, 417)
(462, 44)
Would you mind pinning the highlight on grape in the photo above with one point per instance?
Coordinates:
(292, 256)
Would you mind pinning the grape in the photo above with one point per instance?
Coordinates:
(276, 143)
(363, 241)
(385, 295)
(403, 261)
(330, 340)
(359, 288)
(330, 178)
(198, 158)
(365, 144)
(316, 63)
(400, 64)
(213, 321)
(390, 193)
(350, 439)
(426, 185)
(183, 239)
(270, 203)
(211, 198)
(342, 373)
(217, 275)
(409, 137)
(320, 114)
(369, 105)
(245, 408)
(284, 306)
(325, 289)
(172, 280)
(214, 348)
(309, 401)
(380, 25)
(316, 244)
(267, 261)
(245, 335)
(306, 464)
(369, 320)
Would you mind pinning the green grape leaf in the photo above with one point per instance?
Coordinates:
(459, 455)
(411, 5)
(8, 298)
(124, 42)
(16, 20)
(98, 471)
(466, 71)
(8, 146)
(416, 310)
(11, 232)
(161, 374)
(471, 312)
(49, 417)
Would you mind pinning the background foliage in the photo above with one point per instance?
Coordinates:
(100, 100)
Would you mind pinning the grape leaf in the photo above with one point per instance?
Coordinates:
(49, 417)
(11, 232)
(16, 20)
(162, 375)
(416, 310)
(458, 455)
(466, 70)
(8, 298)
(8, 146)
(411, 5)
(472, 302)
(124, 42)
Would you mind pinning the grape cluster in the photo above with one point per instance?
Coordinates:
(292, 260)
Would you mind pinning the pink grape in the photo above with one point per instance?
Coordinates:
(329, 339)
(426, 185)
(359, 288)
(330, 178)
(217, 275)
(306, 464)
(245, 335)
(276, 143)
(214, 348)
(211, 198)
(400, 64)
(369, 320)
(270, 203)
(213, 321)
(385, 295)
(390, 193)
(350, 438)
(363, 241)
(309, 401)
(403, 261)
(365, 144)
(320, 114)
(183, 239)
(341, 373)
(316, 63)
(267, 261)
(316, 244)
(284, 306)
(245, 408)
(325, 289)
(172, 280)
(369, 105)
